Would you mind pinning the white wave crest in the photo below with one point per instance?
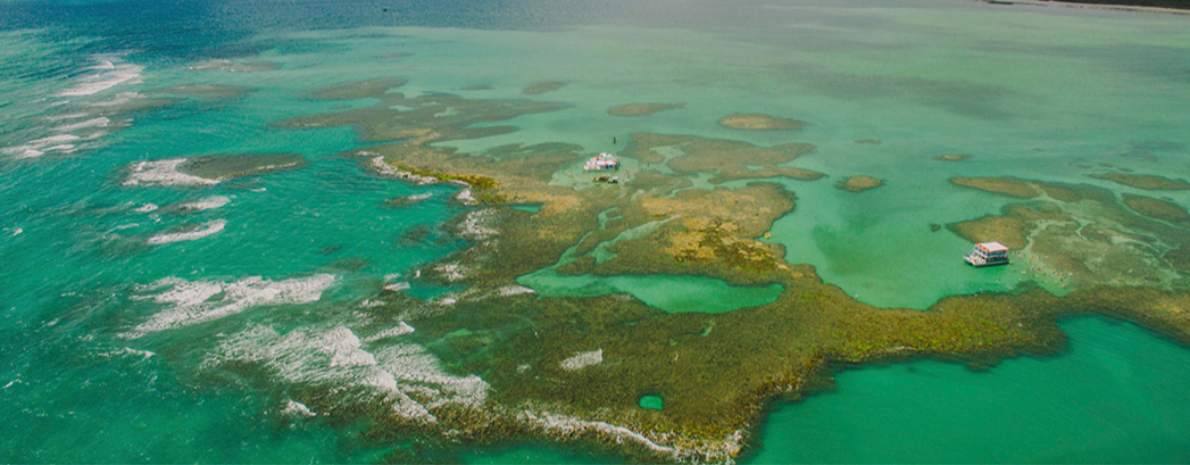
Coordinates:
(565, 426)
(108, 74)
(38, 147)
(207, 229)
(164, 173)
(206, 203)
(100, 122)
(192, 303)
(399, 330)
(407, 375)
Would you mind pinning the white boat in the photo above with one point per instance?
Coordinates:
(603, 162)
(987, 254)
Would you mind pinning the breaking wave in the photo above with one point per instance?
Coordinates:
(194, 302)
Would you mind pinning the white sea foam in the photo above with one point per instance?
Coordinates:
(100, 122)
(466, 197)
(197, 302)
(206, 203)
(565, 426)
(451, 271)
(164, 173)
(17, 231)
(397, 286)
(38, 147)
(479, 224)
(413, 365)
(385, 169)
(107, 75)
(297, 409)
(207, 229)
(146, 208)
(396, 331)
(582, 360)
(507, 291)
(334, 357)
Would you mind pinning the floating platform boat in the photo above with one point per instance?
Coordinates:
(607, 179)
(603, 162)
(987, 254)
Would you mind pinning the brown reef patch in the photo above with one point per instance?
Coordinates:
(758, 122)
(642, 109)
(727, 159)
(356, 90)
(1144, 181)
(538, 88)
(859, 184)
(1019, 188)
(233, 166)
(1012, 232)
(1156, 208)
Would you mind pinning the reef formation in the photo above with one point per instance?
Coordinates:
(495, 362)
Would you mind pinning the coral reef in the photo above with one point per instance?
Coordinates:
(494, 362)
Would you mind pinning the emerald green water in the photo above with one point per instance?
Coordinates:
(1040, 93)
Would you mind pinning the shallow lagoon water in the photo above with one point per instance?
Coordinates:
(1047, 94)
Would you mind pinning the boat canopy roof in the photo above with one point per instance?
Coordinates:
(992, 247)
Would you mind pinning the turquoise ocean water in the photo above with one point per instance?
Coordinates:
(94, 369)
